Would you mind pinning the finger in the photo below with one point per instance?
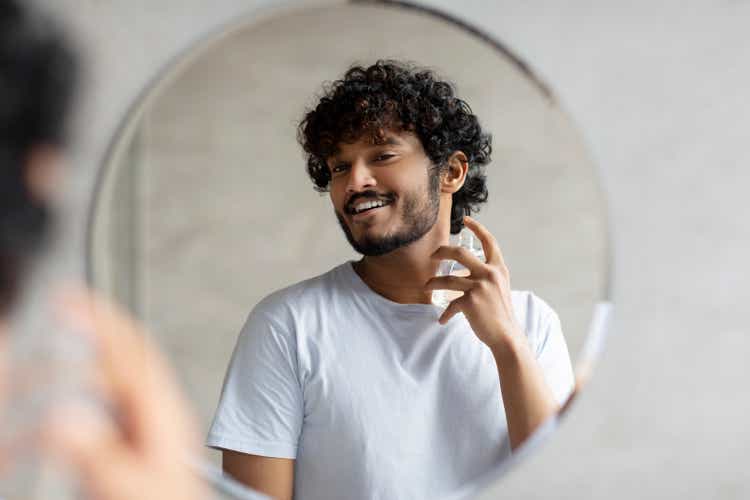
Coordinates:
(456, 283)
(453, 308)
(462, 256)
(141, 382)
(490, 245)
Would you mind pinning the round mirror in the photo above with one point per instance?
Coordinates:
(205, 212)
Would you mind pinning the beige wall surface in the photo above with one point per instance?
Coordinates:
(659, 91)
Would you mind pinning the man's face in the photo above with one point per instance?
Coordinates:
(385, 195)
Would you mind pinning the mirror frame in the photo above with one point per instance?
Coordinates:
(96, 273)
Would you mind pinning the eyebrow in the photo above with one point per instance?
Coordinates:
(389, 141)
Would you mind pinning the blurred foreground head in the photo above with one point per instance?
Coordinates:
(38, 76)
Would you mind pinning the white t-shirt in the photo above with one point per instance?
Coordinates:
(374, 399)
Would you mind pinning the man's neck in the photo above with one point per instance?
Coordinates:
(400, 275)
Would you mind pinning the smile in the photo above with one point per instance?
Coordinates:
(368, 205)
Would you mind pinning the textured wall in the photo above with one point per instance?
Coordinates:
(659, 91)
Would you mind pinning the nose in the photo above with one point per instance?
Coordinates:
(360, 177)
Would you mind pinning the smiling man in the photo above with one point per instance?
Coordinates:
(353, 384)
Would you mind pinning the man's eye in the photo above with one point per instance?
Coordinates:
(338, 168)
(384, 157)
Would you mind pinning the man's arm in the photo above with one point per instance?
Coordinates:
(527, 398)
(488, 307)
(271, 476)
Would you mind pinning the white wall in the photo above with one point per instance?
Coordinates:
(660, 94)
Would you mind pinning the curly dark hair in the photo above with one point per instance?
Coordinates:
(38, 77)
(398, 96)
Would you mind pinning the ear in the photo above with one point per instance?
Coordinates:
(41, 172)
(453, 178)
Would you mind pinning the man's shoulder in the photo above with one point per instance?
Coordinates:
(302, 294)
(530, 304)
(533, 313)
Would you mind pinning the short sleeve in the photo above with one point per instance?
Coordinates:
(260, 411)
(552, 355)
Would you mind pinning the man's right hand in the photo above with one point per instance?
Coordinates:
(143, 453)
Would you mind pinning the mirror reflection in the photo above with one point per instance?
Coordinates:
(287, 213)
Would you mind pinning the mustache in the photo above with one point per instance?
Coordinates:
(371, 195)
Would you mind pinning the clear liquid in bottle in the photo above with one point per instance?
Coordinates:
(465, 239)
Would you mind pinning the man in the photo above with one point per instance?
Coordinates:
(352, 384)
(141, 454)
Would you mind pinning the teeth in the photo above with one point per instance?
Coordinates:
(368, 205)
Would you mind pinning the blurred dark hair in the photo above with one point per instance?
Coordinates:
(38, 76)
(402, 97)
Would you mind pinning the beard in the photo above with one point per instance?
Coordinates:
(419, 214)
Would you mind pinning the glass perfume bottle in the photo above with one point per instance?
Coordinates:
(468, 240)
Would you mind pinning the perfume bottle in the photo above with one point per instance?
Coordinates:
(468, 240)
